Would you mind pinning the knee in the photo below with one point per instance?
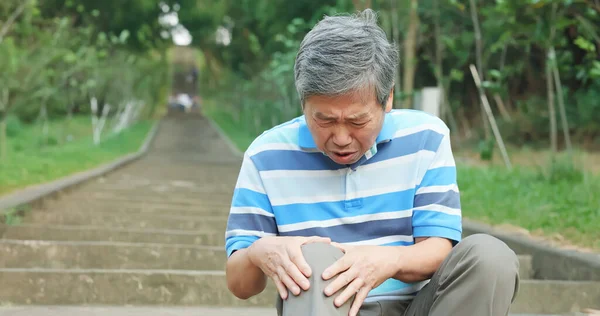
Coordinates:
(319, 254)
(489, 256)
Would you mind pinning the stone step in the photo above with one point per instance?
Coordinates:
(108, 255)
(129, 220)
(144, 311)
(556, 297)
(130, 206)
(120, 287)
(133, 210)
(134, 311)
(526, 267)
(198, 199)
(119, 255)
(163, 184)
(95, 233)
(162, 191)
(196, 288)
(130, 203)
(147, 169)
(141, 174)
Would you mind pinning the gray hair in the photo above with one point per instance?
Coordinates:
(346, 54)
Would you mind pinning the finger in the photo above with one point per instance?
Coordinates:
(283, 292)
(358, 301)
(294, 272)
(340, 265)
(297, 258)
(354, 287)
(315, 239)
(340, 281)
(287, 281)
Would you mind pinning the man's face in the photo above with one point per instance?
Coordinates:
(345, 127)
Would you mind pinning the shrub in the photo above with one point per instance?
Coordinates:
(13, 126)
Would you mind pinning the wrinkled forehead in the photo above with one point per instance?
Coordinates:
(355, 104)
(340, 108)
(364, 95)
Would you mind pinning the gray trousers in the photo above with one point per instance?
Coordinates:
(480, 277)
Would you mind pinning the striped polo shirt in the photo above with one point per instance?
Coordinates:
(402, 188)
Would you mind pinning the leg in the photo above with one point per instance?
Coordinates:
(479, 277)
(313, 302)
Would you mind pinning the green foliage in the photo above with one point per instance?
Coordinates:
(252, 77)
(10, 217)
(13, 126)
(133, 22)
(486, 149)
(15, 215)
(269, 97)
(59, 54)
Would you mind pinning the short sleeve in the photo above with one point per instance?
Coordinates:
(251, 215)
(436, 208)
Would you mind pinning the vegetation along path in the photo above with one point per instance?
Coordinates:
(150, 236)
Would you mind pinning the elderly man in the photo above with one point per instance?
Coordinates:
(353, 208)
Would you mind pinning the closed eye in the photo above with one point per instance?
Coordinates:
(325, 122)
(359, 124)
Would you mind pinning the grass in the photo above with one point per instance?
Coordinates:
(567, 208)
(30, 163)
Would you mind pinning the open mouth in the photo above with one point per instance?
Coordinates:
(343, 157)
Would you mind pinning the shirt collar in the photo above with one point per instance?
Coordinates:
(305, 139)
(387, 130)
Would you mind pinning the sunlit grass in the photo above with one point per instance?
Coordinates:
(29, 162)
(239, 136)
(523, 197)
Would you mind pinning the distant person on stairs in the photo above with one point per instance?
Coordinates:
(353, 208)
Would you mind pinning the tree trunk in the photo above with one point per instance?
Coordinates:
(561, 102)
(490, 116)
(396, 36)
(410, 48)
(464, 121)
(44, 118)
(502, 108)
(550, 85)
(479, 61)
(3, 114)
(3, 138)
(445, 110)
(551, 110)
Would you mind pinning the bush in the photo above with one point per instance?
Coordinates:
(562, 168)
(51, 140)
(13, 126)
(486, 149)
(18, 147)
(588, 110)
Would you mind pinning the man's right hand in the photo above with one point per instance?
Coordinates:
(281, 259)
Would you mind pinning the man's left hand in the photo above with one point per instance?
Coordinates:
(362, 268)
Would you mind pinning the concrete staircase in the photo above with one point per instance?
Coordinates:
(151, 236)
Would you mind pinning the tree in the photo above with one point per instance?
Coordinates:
(410, 48)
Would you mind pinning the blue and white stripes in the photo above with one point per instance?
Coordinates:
(405, 187)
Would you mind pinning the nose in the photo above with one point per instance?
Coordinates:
(341, 137)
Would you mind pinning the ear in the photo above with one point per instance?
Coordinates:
(390, 101)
